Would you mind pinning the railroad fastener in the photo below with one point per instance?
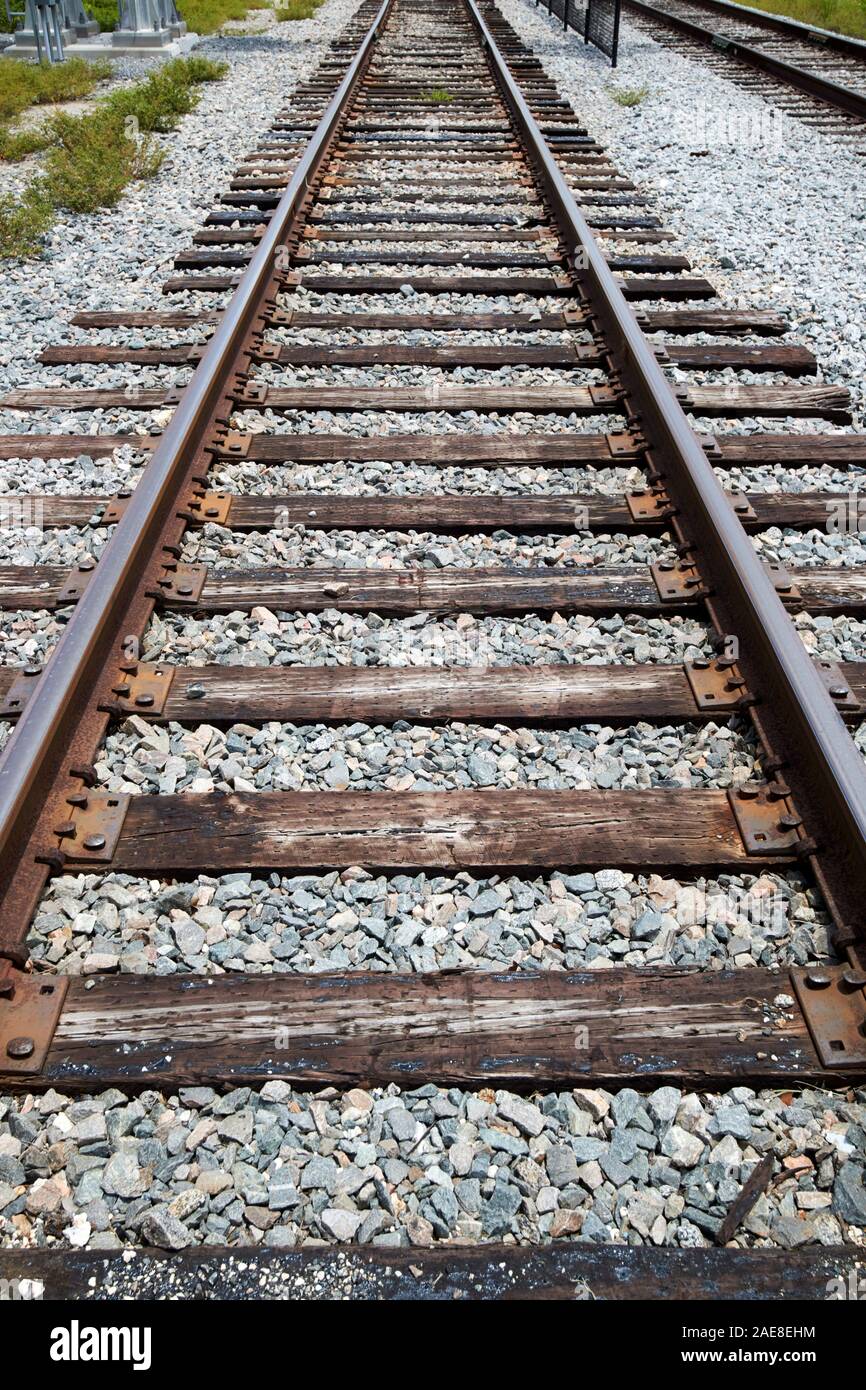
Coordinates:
(818, 979)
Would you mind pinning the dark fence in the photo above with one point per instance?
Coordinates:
(597, 20)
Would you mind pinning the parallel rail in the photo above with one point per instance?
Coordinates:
(737, 35)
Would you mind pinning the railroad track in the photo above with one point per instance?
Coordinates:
(326, 221)
(815, 75)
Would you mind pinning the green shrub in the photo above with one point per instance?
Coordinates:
(29, 84)
(206, 16)
(17, 85)
(627, 96)
(842, 16)
(201, 69)
(167, 94)
(70, 80)
(105, 11)
(202, 16)
(93, 159)
(19, 145)
(24, 219)
(157, 104)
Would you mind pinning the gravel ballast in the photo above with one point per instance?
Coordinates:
(355, 920)
(275, 1167)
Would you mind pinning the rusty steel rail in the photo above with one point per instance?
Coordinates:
(60, 717)
(821, 88)
(803, 732)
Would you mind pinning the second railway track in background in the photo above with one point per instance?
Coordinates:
(815, 75)
(328, 217)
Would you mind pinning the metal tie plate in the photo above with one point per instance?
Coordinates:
(834, 1007)
(182, 584)
(30, 1007)
(765, 819)
(93, 829)
(677, 582)
(716, 685)
(142, 688)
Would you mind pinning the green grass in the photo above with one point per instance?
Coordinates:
(842, 16)
(91, 159)
(24, 220)
(32, 84)
(627, 96)
(297, 9)
(438, 94)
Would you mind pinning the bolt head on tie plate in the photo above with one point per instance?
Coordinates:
(606, 397)
(782, 582)
(94, 827)
(648, 505)
(213, 507)
(91, 833)
(251, 393)
(267, 352)
(711, 447)
(28, 1020)
(835, 1012)
(114, 511)
(625, 444)
(742, 507)
(235, 445)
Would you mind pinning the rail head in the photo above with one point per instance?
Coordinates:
(796, 716)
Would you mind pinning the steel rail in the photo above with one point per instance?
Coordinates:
(34, 755)
(843, 98)
(795, 715)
